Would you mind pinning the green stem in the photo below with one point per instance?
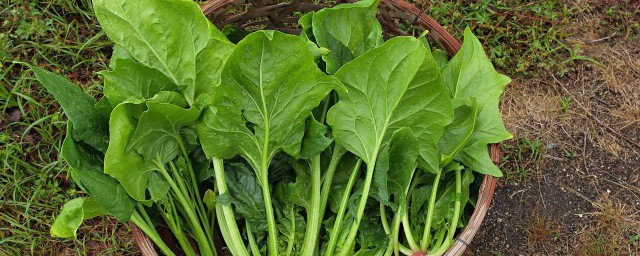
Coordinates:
(212, 216)
(228, 226)
(151, 233)
(454, 222)
(201, 238)
(333, 238)
(314, 219)
(405, 250)
(394, 244)
(226, 232)
(337, 154)
(427, 225)
(439, 237)
(143, 212)
(272, 239)
(179, 181)
(252, 240)
(325, 108)
(197, 196)
(407, 232)
(170, 217)
(383, 219)
(353, 231)
(458, 205)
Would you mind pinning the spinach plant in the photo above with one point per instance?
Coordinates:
(331, 142)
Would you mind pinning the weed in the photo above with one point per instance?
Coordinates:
(521, 158)
(540, 231)
(569, 154)
(520, 36)
(565, 103)
(612, 231)
(62, 35)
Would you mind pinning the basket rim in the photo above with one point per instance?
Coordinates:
(451, 45)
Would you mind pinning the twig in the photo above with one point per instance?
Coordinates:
(602, 39)
(540, 192)
(553, 157)
(602, 101)
(592, 116)
(584, 153)
(495, 27)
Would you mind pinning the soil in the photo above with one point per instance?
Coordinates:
(583, 194)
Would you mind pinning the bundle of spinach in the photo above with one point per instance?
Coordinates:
(332, 142)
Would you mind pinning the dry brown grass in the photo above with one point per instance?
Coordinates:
(611, 231)
(530, 109)
(609, 33)
(541, 231)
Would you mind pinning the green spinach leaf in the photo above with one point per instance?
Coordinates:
(130, 80)
(173, 37)
(470, 74)
(72, 215)
(89, 124)
(347, 30)
(386, 92)
(85, 166)
(269, 86)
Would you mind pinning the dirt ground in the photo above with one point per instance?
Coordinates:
(573, 183)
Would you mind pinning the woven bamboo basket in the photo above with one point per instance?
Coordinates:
(282, 16)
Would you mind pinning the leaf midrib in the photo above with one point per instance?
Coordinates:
(388, 118)
(265, 118)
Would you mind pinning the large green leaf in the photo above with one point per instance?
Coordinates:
(400, 159)
(470, 74)
(173, 37)
(127, 166)
(458, 133)
(476, 157)
(130, 80)
(72, 215)
(269, 86)
(85, 165)
(347, 30)
(387, 90)
(157, 134)
(210, 63)
(89, 124)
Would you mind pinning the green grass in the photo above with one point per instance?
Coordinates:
(520, 160)
(565, 103)
(520, 36)
(63, 36)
